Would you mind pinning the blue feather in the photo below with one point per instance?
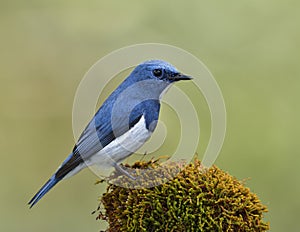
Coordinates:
(46, 187)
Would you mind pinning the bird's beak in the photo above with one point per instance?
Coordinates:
(181, 76)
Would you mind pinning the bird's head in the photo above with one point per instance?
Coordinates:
(159, 70)
(149, 80)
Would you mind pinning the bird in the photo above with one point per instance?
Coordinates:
(122, 124)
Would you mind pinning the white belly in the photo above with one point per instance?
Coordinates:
(122, 146)
(118, 149)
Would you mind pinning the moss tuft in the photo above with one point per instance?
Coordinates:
(195, 200)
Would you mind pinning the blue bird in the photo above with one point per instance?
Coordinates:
(122, 124)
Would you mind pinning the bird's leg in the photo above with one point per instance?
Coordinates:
(122, 171)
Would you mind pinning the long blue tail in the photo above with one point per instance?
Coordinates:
(46, 187)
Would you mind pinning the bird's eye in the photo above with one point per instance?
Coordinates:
(157, 72)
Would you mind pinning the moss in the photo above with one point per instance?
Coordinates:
(194, 200)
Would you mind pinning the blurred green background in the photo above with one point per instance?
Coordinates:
(251, 47)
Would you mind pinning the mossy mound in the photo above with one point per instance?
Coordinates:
(195, 200)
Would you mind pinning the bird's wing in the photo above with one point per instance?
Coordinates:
(96, 136)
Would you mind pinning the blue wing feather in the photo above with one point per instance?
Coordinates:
(100, 133)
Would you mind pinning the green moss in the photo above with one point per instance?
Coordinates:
(195, 200)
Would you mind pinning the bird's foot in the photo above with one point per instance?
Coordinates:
(123, 171)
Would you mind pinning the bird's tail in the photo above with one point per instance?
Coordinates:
(46, 187)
